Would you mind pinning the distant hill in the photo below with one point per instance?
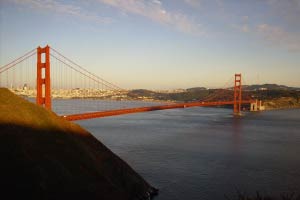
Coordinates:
(140, 92)
(268, 87)
(253, 87)
(263, 91)
(46, 157)
(196, 89)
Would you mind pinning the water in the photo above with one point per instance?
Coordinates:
(75, 106)
(204, 153)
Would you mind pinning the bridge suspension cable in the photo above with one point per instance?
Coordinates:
(109, 84)
(18, 74)
(76, 90)
(17, 61)
(222, 92)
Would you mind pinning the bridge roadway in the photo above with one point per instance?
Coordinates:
(108, 113)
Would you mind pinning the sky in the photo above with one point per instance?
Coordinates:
(162, 44)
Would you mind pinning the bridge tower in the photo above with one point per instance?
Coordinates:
(237, 94)
(43, 85)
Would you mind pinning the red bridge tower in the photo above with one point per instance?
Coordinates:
(43, 84)
(237, 101)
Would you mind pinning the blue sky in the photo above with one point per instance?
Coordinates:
(162, 44)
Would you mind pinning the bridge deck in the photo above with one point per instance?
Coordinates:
(146, 109)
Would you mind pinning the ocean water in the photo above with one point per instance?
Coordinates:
(206, 153)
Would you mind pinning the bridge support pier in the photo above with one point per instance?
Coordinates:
(43, 84)
(256, 106)
(253, 107)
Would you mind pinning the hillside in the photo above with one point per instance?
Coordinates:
(273, 96)
(281, 103)
(46, 157)
(268, 87)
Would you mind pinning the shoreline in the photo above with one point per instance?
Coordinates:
(283, 108)
(274, 104)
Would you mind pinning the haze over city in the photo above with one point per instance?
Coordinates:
(163, 44)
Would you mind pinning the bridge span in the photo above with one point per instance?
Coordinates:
(68, 77)
(147, 109)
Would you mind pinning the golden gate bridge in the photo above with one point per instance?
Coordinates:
(45, 73)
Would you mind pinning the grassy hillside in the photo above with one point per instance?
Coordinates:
(283, 102)
(46, 157)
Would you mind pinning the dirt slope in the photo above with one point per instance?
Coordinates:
(46, 157)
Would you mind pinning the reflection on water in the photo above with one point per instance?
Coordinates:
(237, 131)
(204, 153)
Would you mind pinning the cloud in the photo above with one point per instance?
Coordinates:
(61, 8)
(278, 36)
(245, 28)
(154, 10)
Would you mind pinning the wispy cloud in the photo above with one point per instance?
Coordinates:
(62, 8)
(155, 11)
(278, 36)
(242, 25)
(278, 24)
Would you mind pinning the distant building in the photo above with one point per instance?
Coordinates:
(262, 88)
(25, 87)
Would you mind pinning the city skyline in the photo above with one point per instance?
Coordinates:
(162, 44)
